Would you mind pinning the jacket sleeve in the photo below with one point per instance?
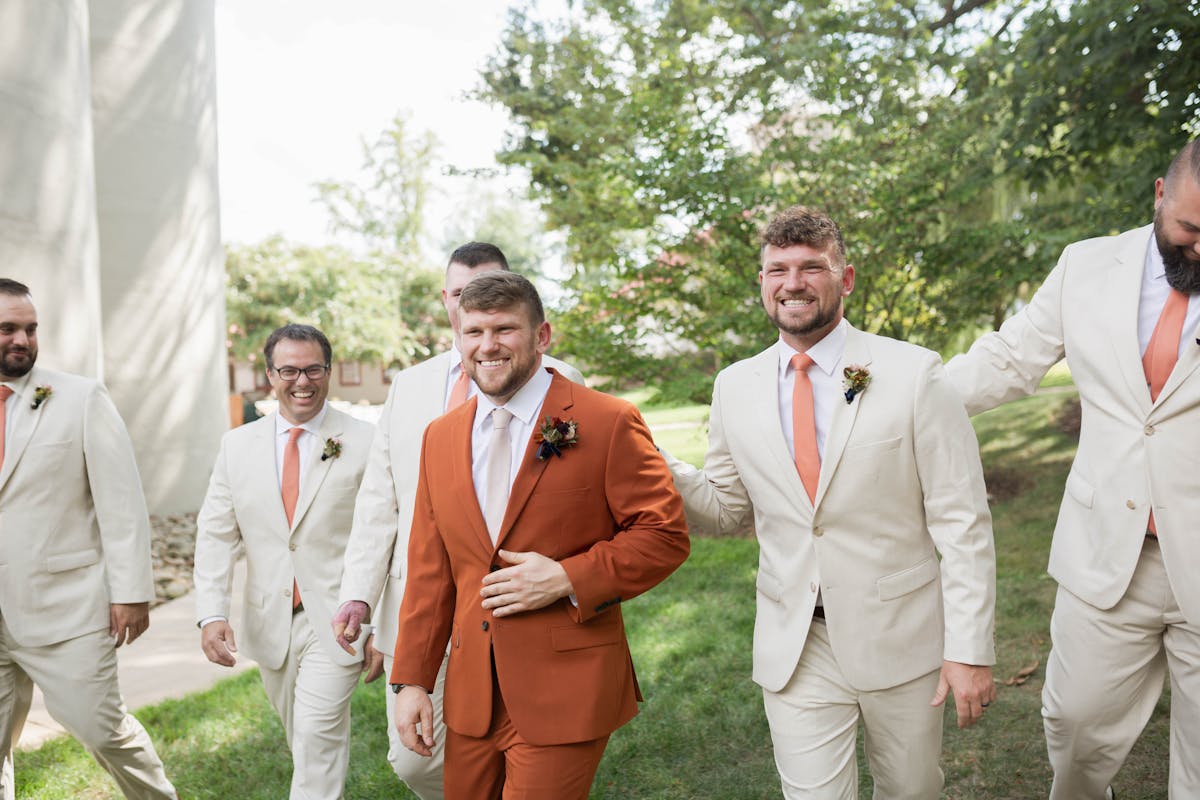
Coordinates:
(651, 540)
(120, 506)
(218, 540)
(1009, 363)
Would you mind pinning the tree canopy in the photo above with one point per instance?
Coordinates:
(960, 144)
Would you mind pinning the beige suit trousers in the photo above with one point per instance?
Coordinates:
(814, 721)
(422, 775)
(78, 679)
(16, 696)
(311, 694)
(1105, 675)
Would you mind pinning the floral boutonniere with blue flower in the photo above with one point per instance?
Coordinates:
(333, 449)
(554, 436)
(855, 380)
(40, 395)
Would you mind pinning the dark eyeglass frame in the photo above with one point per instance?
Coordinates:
(314, 372)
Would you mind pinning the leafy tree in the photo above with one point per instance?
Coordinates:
(659, 135)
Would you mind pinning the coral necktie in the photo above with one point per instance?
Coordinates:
(291, 491)
(458, 394)
(804, 426)
(5, 393)
(1163, 352)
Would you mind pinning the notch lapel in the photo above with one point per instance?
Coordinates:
(763, 405)
(558, 402)
(1184, 367)
(844, 414)
(24, 426)
(331, 428)
(265, 474)
(1124, 283)
(460, 456)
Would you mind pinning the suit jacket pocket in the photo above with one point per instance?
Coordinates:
(588, 634)
(871, 449)
(908, 580)
(66, 561)
(1080, 489)
(769, 585)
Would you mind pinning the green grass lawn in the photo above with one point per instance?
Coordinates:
(701, 734)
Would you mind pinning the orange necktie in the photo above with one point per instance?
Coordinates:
(5, 393)
(291, 490)
(804, 426)
(458, 394)
(1163, 352)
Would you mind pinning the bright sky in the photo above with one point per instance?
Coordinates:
(301, 82)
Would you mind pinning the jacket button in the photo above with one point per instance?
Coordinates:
(1149, 429)
(1130, 504)
(485, 625)
(812, 587)
(292, 546)
(818, 531)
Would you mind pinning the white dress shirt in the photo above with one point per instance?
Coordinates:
(1154, 296)
(309, 444)
(524, 405)
(826, 384)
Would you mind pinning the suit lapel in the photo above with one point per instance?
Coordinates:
(558, 402)
(764, 408)
(1184, 367)
(310, 482)
(24, 426)
(265, 474)
(844, 414)
(460, 455)
(1124, 283)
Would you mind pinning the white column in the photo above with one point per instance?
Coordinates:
(162, 289)
(47, 181)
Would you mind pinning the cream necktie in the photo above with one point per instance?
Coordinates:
(804, 425)
(5, 393)
(499, 463)
(291, 491)
(458, 393)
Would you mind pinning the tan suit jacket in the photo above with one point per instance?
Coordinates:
(74, 532)
(900, 482)
(606, 510)
(244, 509)
(377, 553)
(1133, 455)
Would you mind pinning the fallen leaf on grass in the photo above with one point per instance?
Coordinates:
(1023, 673)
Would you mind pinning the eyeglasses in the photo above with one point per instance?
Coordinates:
(314, 372)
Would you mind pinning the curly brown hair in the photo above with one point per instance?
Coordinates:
(805, 226)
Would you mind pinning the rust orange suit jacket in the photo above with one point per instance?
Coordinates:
(607, 510)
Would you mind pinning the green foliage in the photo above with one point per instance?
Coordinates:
(371, 295)
(959, 144)
(371, 311)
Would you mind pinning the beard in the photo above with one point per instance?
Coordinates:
(824, 317)
(1183, 274)
(15, 362)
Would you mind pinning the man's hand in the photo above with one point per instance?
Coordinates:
(347, 623)
(216, 640)
(533, 582)
(414, 708)
(128, 621)
(974, 690)
(372, 660)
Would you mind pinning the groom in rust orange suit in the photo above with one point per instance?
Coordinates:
(525, 541)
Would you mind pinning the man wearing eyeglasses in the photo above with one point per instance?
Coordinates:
(283, 490)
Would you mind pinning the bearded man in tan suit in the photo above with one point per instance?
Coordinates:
(282, 490)
(75, 571)
(859, 466)
(1125, 313)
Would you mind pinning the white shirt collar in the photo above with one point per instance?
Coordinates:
(313, 426)
(826, 354)
(1155, 267)
(524, 404)
(18, 385)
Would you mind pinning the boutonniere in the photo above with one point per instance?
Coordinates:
(333, 449)
(855, 379)
(40, 395)
(556, 434)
